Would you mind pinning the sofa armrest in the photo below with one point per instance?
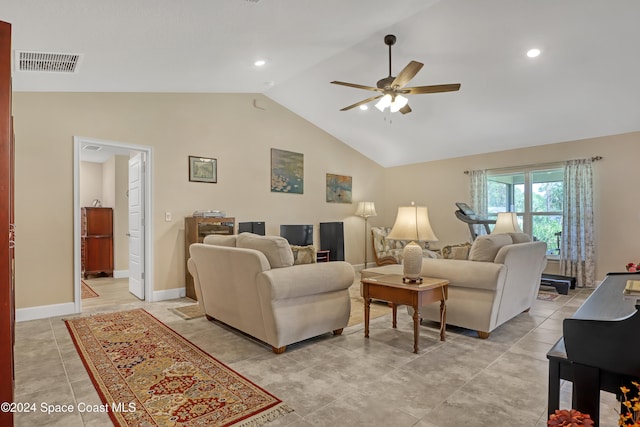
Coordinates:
(306, 279)
(464, 273)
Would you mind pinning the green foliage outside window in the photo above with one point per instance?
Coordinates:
(543, 218)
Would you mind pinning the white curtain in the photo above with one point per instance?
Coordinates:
(577, 257)
(478, 192)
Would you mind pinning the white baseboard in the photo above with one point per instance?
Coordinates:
(169, 294)
(119, 274)
(44, 311)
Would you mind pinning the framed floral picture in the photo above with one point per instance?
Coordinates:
(287, 172)
(203, 169)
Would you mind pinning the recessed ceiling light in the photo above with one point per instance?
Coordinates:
(364, 107)
(259, 62)
(532, 53)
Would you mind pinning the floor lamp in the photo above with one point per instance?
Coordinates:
(365, 210)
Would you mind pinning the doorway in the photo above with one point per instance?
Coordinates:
(143, 268)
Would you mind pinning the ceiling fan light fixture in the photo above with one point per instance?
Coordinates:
(399, 102)
(364, 107)
(384, 102)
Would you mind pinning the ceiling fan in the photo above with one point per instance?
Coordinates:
(392, 88)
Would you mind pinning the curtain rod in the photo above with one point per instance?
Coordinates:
(593, 159)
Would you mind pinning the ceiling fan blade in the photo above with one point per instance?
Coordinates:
(406, 109)
(357, 86)
(407, 74)
(432, 89)
(357, 104)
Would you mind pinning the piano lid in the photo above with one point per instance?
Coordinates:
(604, 331)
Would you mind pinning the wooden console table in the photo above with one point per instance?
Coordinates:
(390, 287)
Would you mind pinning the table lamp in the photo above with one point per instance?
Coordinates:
(365, 210)
(507, 222)
(412, 224)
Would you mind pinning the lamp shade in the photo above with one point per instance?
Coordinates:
(507, 222)
(412, 223)
(366, 209)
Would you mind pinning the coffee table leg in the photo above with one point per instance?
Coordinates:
(394, 310)
(416, 324)
(367, 308)
(443, 318)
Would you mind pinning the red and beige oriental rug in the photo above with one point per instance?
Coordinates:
(87, 291)
(149, 375)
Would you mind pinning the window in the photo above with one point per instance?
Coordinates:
(536, 196)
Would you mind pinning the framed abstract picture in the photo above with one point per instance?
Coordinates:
(287, 172)
(338, 188)
(203, 169)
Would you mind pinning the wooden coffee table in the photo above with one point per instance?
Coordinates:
(390, 287)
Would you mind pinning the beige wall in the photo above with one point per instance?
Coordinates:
(227, 127)
(90, 183)
(438, 185)
(223, 126)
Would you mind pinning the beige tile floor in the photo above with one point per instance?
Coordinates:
(332, 381)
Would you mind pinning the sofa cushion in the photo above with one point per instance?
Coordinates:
(275, 248)
(485, 248)
(520, 237)
(220, 240)
(303, 254)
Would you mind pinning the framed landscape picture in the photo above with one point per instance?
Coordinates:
(287, 172)
(203, 169)
(338, 188)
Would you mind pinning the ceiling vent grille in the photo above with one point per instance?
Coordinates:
(48, 62)
(90, 147)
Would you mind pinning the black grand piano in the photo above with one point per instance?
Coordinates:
(600, 347)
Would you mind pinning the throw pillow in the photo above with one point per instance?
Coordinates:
(275, 248)
(303, 254)
(460, 251)
(485, 248)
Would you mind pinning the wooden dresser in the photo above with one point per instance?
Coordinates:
(97, 241)
(195, 230)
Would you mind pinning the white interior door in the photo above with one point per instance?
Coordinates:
(136, 225)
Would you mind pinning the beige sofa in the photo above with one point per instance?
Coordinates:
(498, 281)
(250, 282)
(387, 251)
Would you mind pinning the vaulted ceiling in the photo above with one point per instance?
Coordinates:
(585, 83)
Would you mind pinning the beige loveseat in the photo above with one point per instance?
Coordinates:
(498, 281)
(250, 282)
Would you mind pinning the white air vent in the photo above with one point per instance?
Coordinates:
(47, 62)
(90, 147)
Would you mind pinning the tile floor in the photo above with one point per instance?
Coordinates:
(333, 381)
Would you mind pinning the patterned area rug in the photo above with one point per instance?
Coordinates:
(149, 375)
(87, 291)
(547, 296)
(377, 309)
(188, 312)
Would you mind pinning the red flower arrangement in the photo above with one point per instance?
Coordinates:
(632, 268)
(569, 418)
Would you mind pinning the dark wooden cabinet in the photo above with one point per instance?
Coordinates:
(97, 241)
(195, 230)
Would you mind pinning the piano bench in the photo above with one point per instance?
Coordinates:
(560, 368)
